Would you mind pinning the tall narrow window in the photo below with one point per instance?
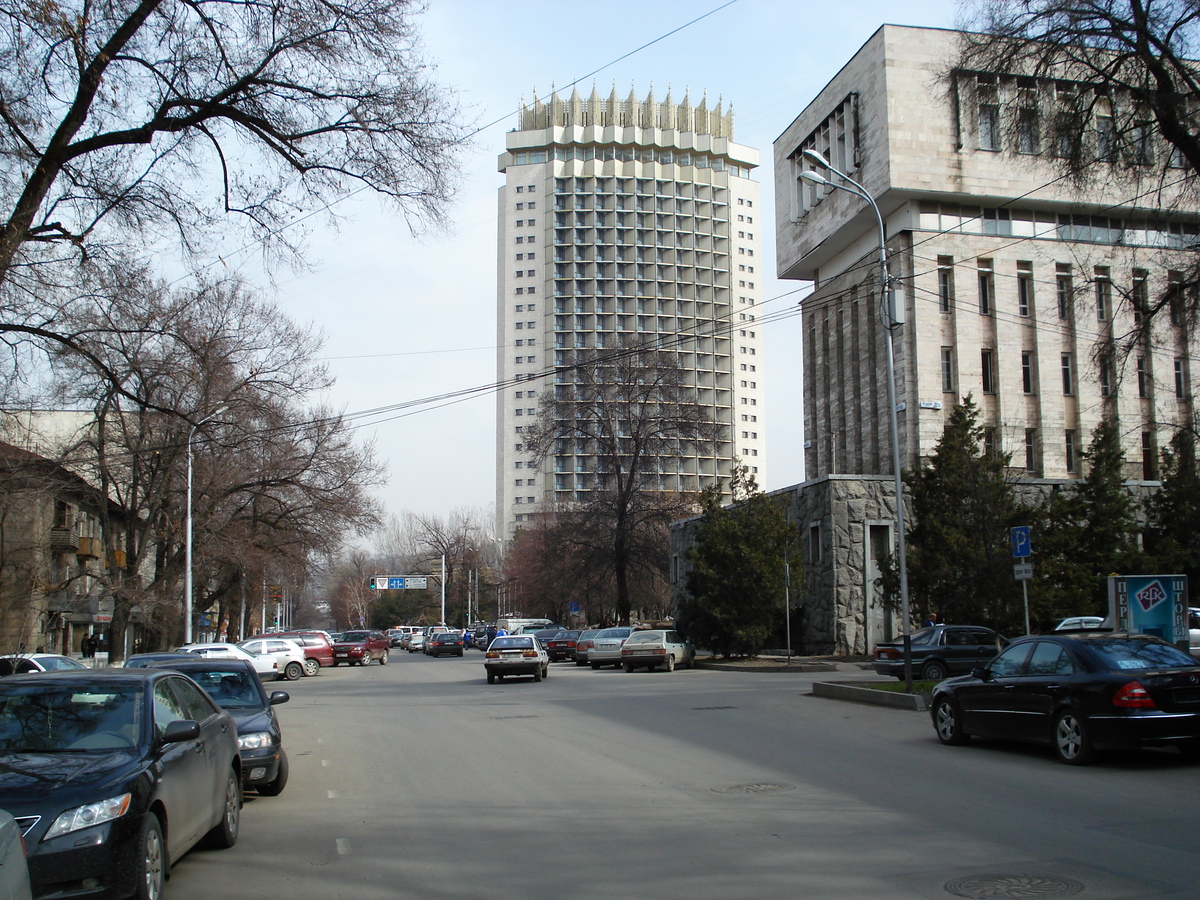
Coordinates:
(1143, 377)
(1068, 376)
(945, 283)
(1069, 447)
(1105, 378)
(990, 447)
(987, 288)
(989, 112)
(1180, 379)
(987, 362)
(1029, 136)
(1175, 297)
(1106, 137)
(1027, 371)
(947, 370)
(1031, 454)
(1149, 458)
(1103, 294)
(1065, 284)
(1024, 288)
(1140, 296)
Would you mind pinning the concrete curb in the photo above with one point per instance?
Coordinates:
(780, 667)
(841, 690)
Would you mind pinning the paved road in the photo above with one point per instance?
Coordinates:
(419, 780)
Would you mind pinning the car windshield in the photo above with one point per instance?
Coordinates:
(615, 633)
(232, 690)
(53, 663)
(351, 637)
(645, 637)
(924, 636)
(68, 717)
(1134, 654)
(512, 643)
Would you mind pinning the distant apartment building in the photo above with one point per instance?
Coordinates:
(1021, 288)
(621, 223)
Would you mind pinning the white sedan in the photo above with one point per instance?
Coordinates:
(289, 653)
(267, 667)
(651, 649)
(20, 663)
(516, 654)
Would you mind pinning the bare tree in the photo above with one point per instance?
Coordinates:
(633, 416)
(125, 122)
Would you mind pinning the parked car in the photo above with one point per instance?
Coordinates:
(606, 647)
(267, 667)
(448, 642)
(114, 774)
(516, 654)
(318, 648)
(23, 663)
(14, 867)
(235, 687)
(1194, 630)
(1080, 623)
(562, 645)
(651, 649)
(396, 635)
(940, 651)
(415, 642)
(360, 647)
(1079, 693)
(583, 644)
(539, 630)
(289, 653)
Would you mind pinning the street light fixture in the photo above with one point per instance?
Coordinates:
(187, 565)
(891, 308)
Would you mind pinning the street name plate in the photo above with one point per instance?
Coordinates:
(1023, 571)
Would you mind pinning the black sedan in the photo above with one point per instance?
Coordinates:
(114, 774)
(1079, 693)
(939, 651)
(449, 642)
(561, 645)
(238, 690)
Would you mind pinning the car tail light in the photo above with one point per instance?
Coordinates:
(491, 654)
(1134, 696)
(529, 653)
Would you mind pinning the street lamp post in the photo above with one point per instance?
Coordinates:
(893, 317)
(187, 550)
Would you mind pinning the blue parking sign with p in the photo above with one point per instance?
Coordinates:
(1020, 542)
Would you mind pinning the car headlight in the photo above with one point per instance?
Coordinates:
(256, 740)
(89, 815)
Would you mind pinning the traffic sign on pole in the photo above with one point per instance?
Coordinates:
(1020, 542)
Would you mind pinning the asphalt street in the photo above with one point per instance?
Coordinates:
(420, 780)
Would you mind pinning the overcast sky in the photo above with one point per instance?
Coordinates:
(408, 319)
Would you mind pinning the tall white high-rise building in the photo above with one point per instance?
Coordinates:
(626, 221)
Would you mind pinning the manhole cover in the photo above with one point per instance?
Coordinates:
(755, 787)
(986, 887)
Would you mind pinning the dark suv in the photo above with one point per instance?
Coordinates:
(940, 651)
(318, 649)
(360, 647)
(445, 642)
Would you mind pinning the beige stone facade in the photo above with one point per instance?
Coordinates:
(624, 221)
(1020, 288)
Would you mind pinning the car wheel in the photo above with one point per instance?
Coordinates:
(546, 670)
(947, 722)
(275, 786)
(336, 663)
(383, 659)
(365, 661)
(628, 667)
(491, 678)
(293, 671)
(312, 667)
(225, 833)
(596, 667)
(1071, 741)
(933, 670)
(152, 864)
(537, 674)
(581, 662)
(670, 663)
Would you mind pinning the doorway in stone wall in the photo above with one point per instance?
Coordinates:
(877, 617)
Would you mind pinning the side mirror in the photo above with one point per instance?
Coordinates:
(278, 697)
(981, 673)
(181, 730)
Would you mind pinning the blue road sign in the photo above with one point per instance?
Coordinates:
(1020, 542)
(395, 584)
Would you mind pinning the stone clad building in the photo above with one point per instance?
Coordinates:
(1019, 289)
